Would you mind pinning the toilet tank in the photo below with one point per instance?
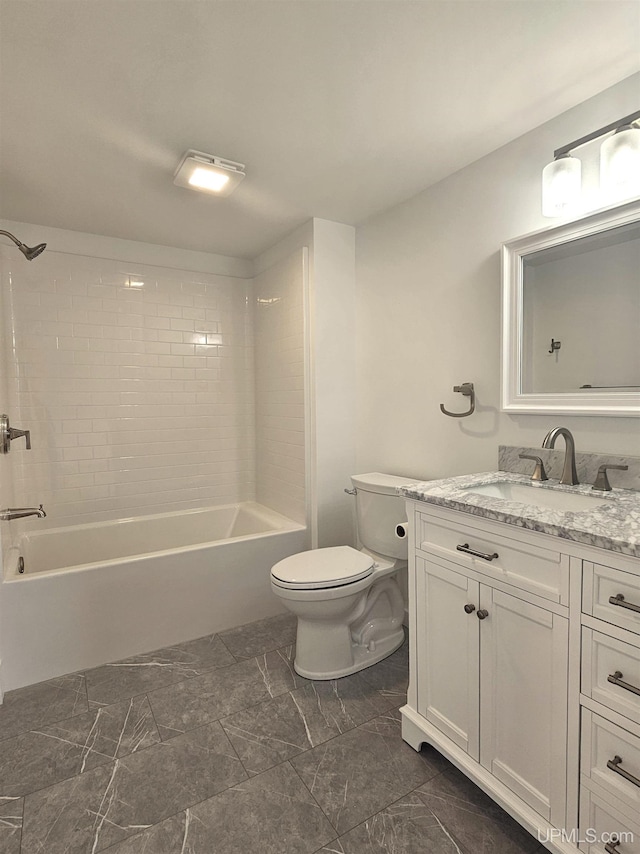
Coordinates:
(378, 510)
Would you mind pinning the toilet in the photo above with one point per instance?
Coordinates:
(348, 602)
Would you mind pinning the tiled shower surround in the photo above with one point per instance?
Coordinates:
(138, 386)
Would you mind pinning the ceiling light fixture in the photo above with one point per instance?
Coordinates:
(619, 168)
(209, 173)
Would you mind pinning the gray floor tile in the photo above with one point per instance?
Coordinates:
(186, 705)
(475, 821)
(40, 758)
(262, 636)
(92, 811)
(270, 814)
(10, 825)
(365, 770)
(142, 673)
(277, 670)
(391, 675)
(36, 705)
(94, 776)
(405, 827)
(279, 729)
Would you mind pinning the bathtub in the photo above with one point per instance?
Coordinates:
(95, 593)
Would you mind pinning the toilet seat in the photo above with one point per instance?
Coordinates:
(322, 568)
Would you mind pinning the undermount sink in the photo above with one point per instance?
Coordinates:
(539, 496)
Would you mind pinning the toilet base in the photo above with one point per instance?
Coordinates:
(361, 657)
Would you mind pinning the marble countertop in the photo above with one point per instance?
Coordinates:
(615, 527)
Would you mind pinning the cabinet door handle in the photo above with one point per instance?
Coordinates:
(465, 548)
(614, 765)
(469, 608)
(612, 847)
(618, 600)
(482, 614)
(616, 679)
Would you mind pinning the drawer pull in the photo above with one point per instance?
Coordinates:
(612, 847)
(616, 679)
(618, 599)
(465, 548)
(614, 765)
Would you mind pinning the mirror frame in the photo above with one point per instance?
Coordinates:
(513, 399)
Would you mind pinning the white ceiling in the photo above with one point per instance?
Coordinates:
(338, 108)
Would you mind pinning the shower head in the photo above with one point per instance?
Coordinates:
(29, 252)
(32, 252)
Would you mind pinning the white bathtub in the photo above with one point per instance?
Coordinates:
(91, 594)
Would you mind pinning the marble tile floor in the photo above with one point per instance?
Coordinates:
(217, 746)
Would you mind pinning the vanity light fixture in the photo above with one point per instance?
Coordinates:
(619, 168)
(209, 173)
(561, 185)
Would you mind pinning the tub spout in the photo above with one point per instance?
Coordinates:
(21, 512)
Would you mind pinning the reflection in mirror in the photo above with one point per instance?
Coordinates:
(571, 316)
(581, 314)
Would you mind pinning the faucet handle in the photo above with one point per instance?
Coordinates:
(16, 434)
(538, 473)
(602, 481)
(9, 433)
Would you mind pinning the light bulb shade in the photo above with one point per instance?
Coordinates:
(620, 164)
(561, 186)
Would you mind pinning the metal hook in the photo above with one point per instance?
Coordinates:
(555, 345)
(467, 390)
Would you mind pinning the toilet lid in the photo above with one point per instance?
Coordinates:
(321, 568)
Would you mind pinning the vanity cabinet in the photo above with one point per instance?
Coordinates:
(610, 707)
(525, 673)
(495, 674)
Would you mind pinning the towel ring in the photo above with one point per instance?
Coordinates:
(467, 390)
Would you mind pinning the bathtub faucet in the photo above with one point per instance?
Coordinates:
(20, 512)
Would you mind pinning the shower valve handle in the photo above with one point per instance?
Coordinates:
(8, 433)
(16, 434)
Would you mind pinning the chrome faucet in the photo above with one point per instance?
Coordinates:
(21, 512)
(569, 473)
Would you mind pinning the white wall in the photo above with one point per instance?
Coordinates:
(428, 309)
(329, 311)
(333, 382)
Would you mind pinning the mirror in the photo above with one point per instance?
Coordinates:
(571, 317)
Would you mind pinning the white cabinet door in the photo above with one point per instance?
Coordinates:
(448, 652)
(523, 706)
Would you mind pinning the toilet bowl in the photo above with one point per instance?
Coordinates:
(348, 602)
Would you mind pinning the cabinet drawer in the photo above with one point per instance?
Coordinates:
(611, 672)
(601, 824)
(612, 595)
(538, 570)
(608, 754)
